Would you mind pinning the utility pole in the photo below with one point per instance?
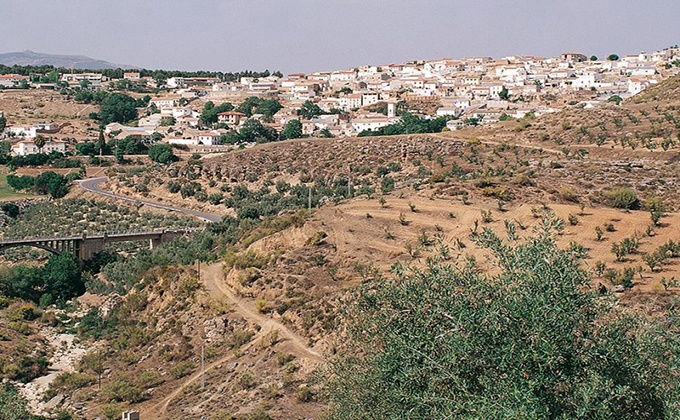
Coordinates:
(203, 366)
(349, 187)
(198, 269)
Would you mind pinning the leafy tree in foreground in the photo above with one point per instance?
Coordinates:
(531, 342)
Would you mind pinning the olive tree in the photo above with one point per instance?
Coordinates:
(529, 339)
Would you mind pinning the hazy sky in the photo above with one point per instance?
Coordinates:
(314, 35)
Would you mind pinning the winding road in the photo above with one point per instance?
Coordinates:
(92, 185)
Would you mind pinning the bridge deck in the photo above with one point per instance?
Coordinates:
(112, 236)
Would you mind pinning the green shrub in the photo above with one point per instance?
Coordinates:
(123, 389)
(182, 369)
(622, 198)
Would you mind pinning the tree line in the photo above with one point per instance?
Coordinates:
(118, 73)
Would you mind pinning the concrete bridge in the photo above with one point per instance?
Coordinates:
(85, 247)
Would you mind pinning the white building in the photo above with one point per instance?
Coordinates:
(12, 80)
(165, 102)
(372, 122)
(17, 131)
(28, 147)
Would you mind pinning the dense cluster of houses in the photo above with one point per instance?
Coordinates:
(479, 89)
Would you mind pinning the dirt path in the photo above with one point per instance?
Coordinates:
(213, 279)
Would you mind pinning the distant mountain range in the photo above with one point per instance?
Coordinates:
(31, 58)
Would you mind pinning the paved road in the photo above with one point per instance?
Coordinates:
(92, 185)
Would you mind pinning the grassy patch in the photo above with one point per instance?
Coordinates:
(7, 193)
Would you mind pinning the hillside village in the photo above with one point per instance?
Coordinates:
(461, 92)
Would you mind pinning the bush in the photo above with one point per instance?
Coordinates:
(568, 194)
(10, 209)
(182, 369)
(26, 368)
(123, 390)
(387, 185)
(162, 153)
(622, 198)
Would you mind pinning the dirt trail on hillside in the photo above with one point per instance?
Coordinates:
(212, 276)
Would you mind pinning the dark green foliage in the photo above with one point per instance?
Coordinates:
(20, 182)
(99, 260)
(387, 185)
(253, 130)
(51, 183)
(3, 123)
(504, 94)
(309, 110)
(532, 342)
(158, 74)
(128, 146)
(35, 159)
(268, 107)
(10, 209)
(56, 282)
(162, 153)
(615, 98)
(292, 130)
(117, 107)
(62, 278)
(410, 124)
(86, 148)
(210, 111)
(92, 148)
(613, 57)
(246, 107)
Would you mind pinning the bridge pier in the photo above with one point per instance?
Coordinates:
(89, 247)
(154, 242)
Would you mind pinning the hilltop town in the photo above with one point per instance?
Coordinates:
(364, 100)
